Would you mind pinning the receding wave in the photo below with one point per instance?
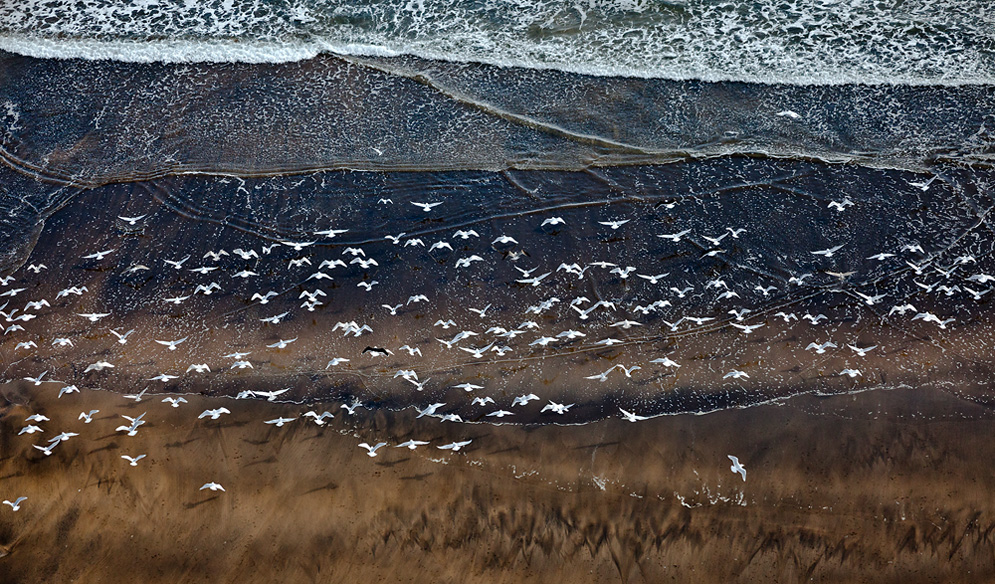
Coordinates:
(766, 41)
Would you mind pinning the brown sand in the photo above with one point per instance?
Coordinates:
(885, 486)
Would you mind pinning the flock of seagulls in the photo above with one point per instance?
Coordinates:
(557, 316)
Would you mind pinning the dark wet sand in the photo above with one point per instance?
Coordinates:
(885, 486)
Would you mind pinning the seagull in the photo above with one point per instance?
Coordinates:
(94, 316)
(244, 274)
(241, 365)
(666, 362)
(468, 387)
(440, 245)
(213, 414)
(798, 279)
(862, 352)
(272, 395)
(465, 262)
(553, 221)
(411, 350)
(615, 224)
(298, 246)
(216, 256)
(429, 410)
(827, 252)
(208, 289)
(480, 311)
(212, 486)
(622, 272)
(37, 268)
(414, 242)
(98, 366)
(881, 256)
(501, 413)
(122, 338)
(653, 279)
(681, 293)
(631, 416)
(279, 422)
(814, 319)
(736, 374)
(133, 428)
(336, 263)
(30, 429)
(840, 205)
(177, 264)
(133, 461)
(37, 418)
(275, 319)
(87, 417)
(556, 408)
(871, 300)
(132, 220)
(163, 377)
(504, 239)
(923, 186)
(851, 372)
(336, 361)
(416, 299)
(136, 396)
(426, 206)
(16, 505)
(534, 281)
(482, 401)
(789, 114)
(281, 344)
(820, 349)
(737, 467)
(411, 444)
(675, 237)
(175, 401)
(913, 247)
(455, 446)
(98, 255)
(524, 399)
(68, 389)
(171, 344)
(263, 298)
(36, 380)
(331, 232)
(37, 305)
(319, 419)
(603, 376)
(371, 451)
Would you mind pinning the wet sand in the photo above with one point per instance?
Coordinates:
(888, 486)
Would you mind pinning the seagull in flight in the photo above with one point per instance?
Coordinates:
(132, 220)
(177, 264)
(68, 389)
(614, 224)
(553, 221)
(467, 234)
(133, 428)
(820, 349)
(87, 417)
(827, 252)
(319, 419)
(736, 374)
(163, 377)
(174, 401)
(455, 446)
(16, 504)
(737, 467)
(98, 255)
(94, 316)
(631, 416)
(425, 206)
(411, 444)
(675, 237)
(212, 486)
(36, 380)
(171, 344)
(281, 344)
(279, 422)
(331, 232)
(213, 414)
(122, 338)
(371, 451)
(133, 461)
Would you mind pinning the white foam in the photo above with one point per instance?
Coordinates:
(822, 42)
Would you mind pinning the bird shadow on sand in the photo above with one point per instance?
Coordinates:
(199, 503)
(598, 445)
(392, 463)
(269, 460)
(328, 487)
(417, 477)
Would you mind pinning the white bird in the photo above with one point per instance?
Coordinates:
(133, 461)
(923, 186)
(799, 280)
(466, 262)
(840, 206)
(736, 374)
(533, 281)
(208, 289)
(164, 377)
(98, 255)
(122, 338)
(367, 285)
(94, 316)
(737, 467)
(136, 396)
(862, 352)
(482, 401)
(556, 408)
(174, 401)
(319, 419)
(177, 264)
(615, 224)
(653, 279)
(631, 416)
(87, 417)
(851, 372)
(47, 449)
(411, 444)
(244, 274)
(282, 344)
(298, 246)
(37, 418)
(622, 272)
(30, 429)
(351, 408)
(788, 114)
(468, 387)
(500, 413)
(263, 298)
(336, 361)
(412, 351)
(524, 400)
(416, 299)
(681, 293)
(135, 423)
(429, 410)
(869, 299)
(68, 389)
(331, 232)
(820, 349)
(603, 376)
(371, 451)
(440, 245)
(466, 234)
(279, 422)
(827, 252)
(455, 446)
(666, 362)
(216, 256)
(241, 365)
(36, 380)
(199, 368)
(504, 239)
(426, 206)
(171, 344)
(132, 220)
(37, 305)
(814, 319)
(213, 414)
(213, 487)
(675, 237)
(881, 256)
(275, 319)
(98, 366)
(553, 221)
(16, 504)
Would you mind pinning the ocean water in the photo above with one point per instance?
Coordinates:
(781, 145)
